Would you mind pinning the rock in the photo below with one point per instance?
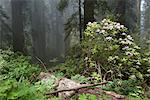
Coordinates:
(60, 84)
(65, 83)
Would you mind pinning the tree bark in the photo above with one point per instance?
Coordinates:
(88, 12)
(80, 21)
(128, 13)
(132, 16)
(120, 11)
(38, 29)
(17, 25)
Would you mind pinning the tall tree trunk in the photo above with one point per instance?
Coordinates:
(120, 10)
(88, 12)
(128, 13)
(147, 18)
(17, 25)
(132, 16)
(80, 21)
(38, 30)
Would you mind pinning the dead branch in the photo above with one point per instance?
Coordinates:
(99, 90)
(113, 94)
(98, 67)
(105, 75)
(43, 65)
(77, 88)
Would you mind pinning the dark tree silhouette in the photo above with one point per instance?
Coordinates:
(17, 25)
(88, 11)
(121, 9)
(38, 29)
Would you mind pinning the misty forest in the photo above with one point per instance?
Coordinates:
(74, 49)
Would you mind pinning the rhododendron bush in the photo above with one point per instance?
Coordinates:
(109, 52)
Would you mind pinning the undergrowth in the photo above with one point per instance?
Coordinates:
(18, 77)
(107, 53)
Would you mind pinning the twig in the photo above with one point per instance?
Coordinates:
(98, 67)
(42, 63)
(33, 76)
(115, 95)
(105, 75)
(99, 91)
(76, 88)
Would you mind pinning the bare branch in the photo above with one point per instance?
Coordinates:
(77, 88)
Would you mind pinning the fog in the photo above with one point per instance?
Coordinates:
(42, 25)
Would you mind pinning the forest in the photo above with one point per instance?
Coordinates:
(74, 49)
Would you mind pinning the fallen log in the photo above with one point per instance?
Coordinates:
(98, 92)
(66, 88)
(83, 89)
(77, 88)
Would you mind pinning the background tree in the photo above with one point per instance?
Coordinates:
(17, 25)
(84, 18)
(4, 27)
(120, 10)
(147, 17)
(38, 29)
(89, 6)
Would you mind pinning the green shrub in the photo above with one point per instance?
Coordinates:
(17, 77)
(10, 89)
(46, 85)
(16, 66)
(73, 64)
(124, 87)
(80, 79)
(107, 47)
